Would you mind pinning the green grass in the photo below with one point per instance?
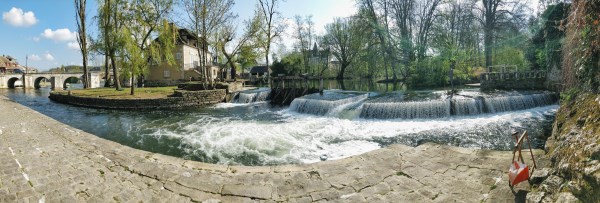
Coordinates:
(112, 93)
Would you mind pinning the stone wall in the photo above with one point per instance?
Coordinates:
(517, 84)
(574, 150)
(285, 96)
(528, 80)
(180, 99)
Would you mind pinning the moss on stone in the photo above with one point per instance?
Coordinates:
(575, 143)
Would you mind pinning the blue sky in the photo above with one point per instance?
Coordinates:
(44, 30)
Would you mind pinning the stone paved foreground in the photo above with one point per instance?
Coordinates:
(42, 160)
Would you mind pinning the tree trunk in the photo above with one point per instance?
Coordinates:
(86, 78)
(267, 60)
(340, 75)
(115, 72)
(132, 84)
(106, 72)
(488, 45)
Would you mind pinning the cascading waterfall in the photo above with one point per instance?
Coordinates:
(407, 110)
(518, 102)
(252, 96)
(321, 106)
(458, 107)
(464, 107)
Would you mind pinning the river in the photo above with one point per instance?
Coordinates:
(349, 123)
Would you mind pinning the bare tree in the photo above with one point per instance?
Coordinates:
(425, 18)
(271, 28)
(205, 18)
(495, 13)
(82, 38)
(304, 33)
(228, 35)
(345, 39)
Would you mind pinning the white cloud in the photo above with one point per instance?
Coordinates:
(16, 17)
(59, 34)
(49, 57)
(73, 45)
(36, 39)
(34, 57)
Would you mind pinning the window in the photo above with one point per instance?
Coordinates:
(167, 74)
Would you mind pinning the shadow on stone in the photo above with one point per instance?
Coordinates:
(520, 196)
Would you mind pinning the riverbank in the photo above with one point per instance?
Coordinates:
(44, 159)
(574, 149)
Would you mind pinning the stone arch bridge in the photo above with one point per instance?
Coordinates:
(33, 80)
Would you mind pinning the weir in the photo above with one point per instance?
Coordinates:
(323, 104)
(394, 106)
(512, 103)
(250, 96)
(264, 134)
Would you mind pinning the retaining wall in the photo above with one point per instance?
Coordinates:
(180, 99)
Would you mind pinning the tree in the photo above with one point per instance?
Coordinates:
(426, 14)
(227, 36)
(110, 21)
(82, 38)
(494, 14)
(370, 16)
(145, 20)
(345, 39)
(205, 18)
(271, 28)
(304, 33)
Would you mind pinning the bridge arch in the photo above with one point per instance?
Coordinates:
(71, 80)
(36, 83)
(12, 82)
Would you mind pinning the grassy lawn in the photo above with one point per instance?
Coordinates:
(140, 93)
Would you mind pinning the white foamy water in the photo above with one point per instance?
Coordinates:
(260, 134)
(302, 138)
(257, 95)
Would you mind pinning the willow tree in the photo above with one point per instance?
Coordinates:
(82, 38)
(146, 37)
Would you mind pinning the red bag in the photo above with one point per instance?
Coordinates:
(518, 172)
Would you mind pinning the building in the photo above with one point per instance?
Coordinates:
(9, 64)
(258, 72)
(322, 63)
(187, 65)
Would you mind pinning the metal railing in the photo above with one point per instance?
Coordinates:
(492, 76)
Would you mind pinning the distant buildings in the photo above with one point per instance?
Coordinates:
(188, 65)
(9, 65)
(321, 62)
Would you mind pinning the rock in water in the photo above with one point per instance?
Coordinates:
(324, 157)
